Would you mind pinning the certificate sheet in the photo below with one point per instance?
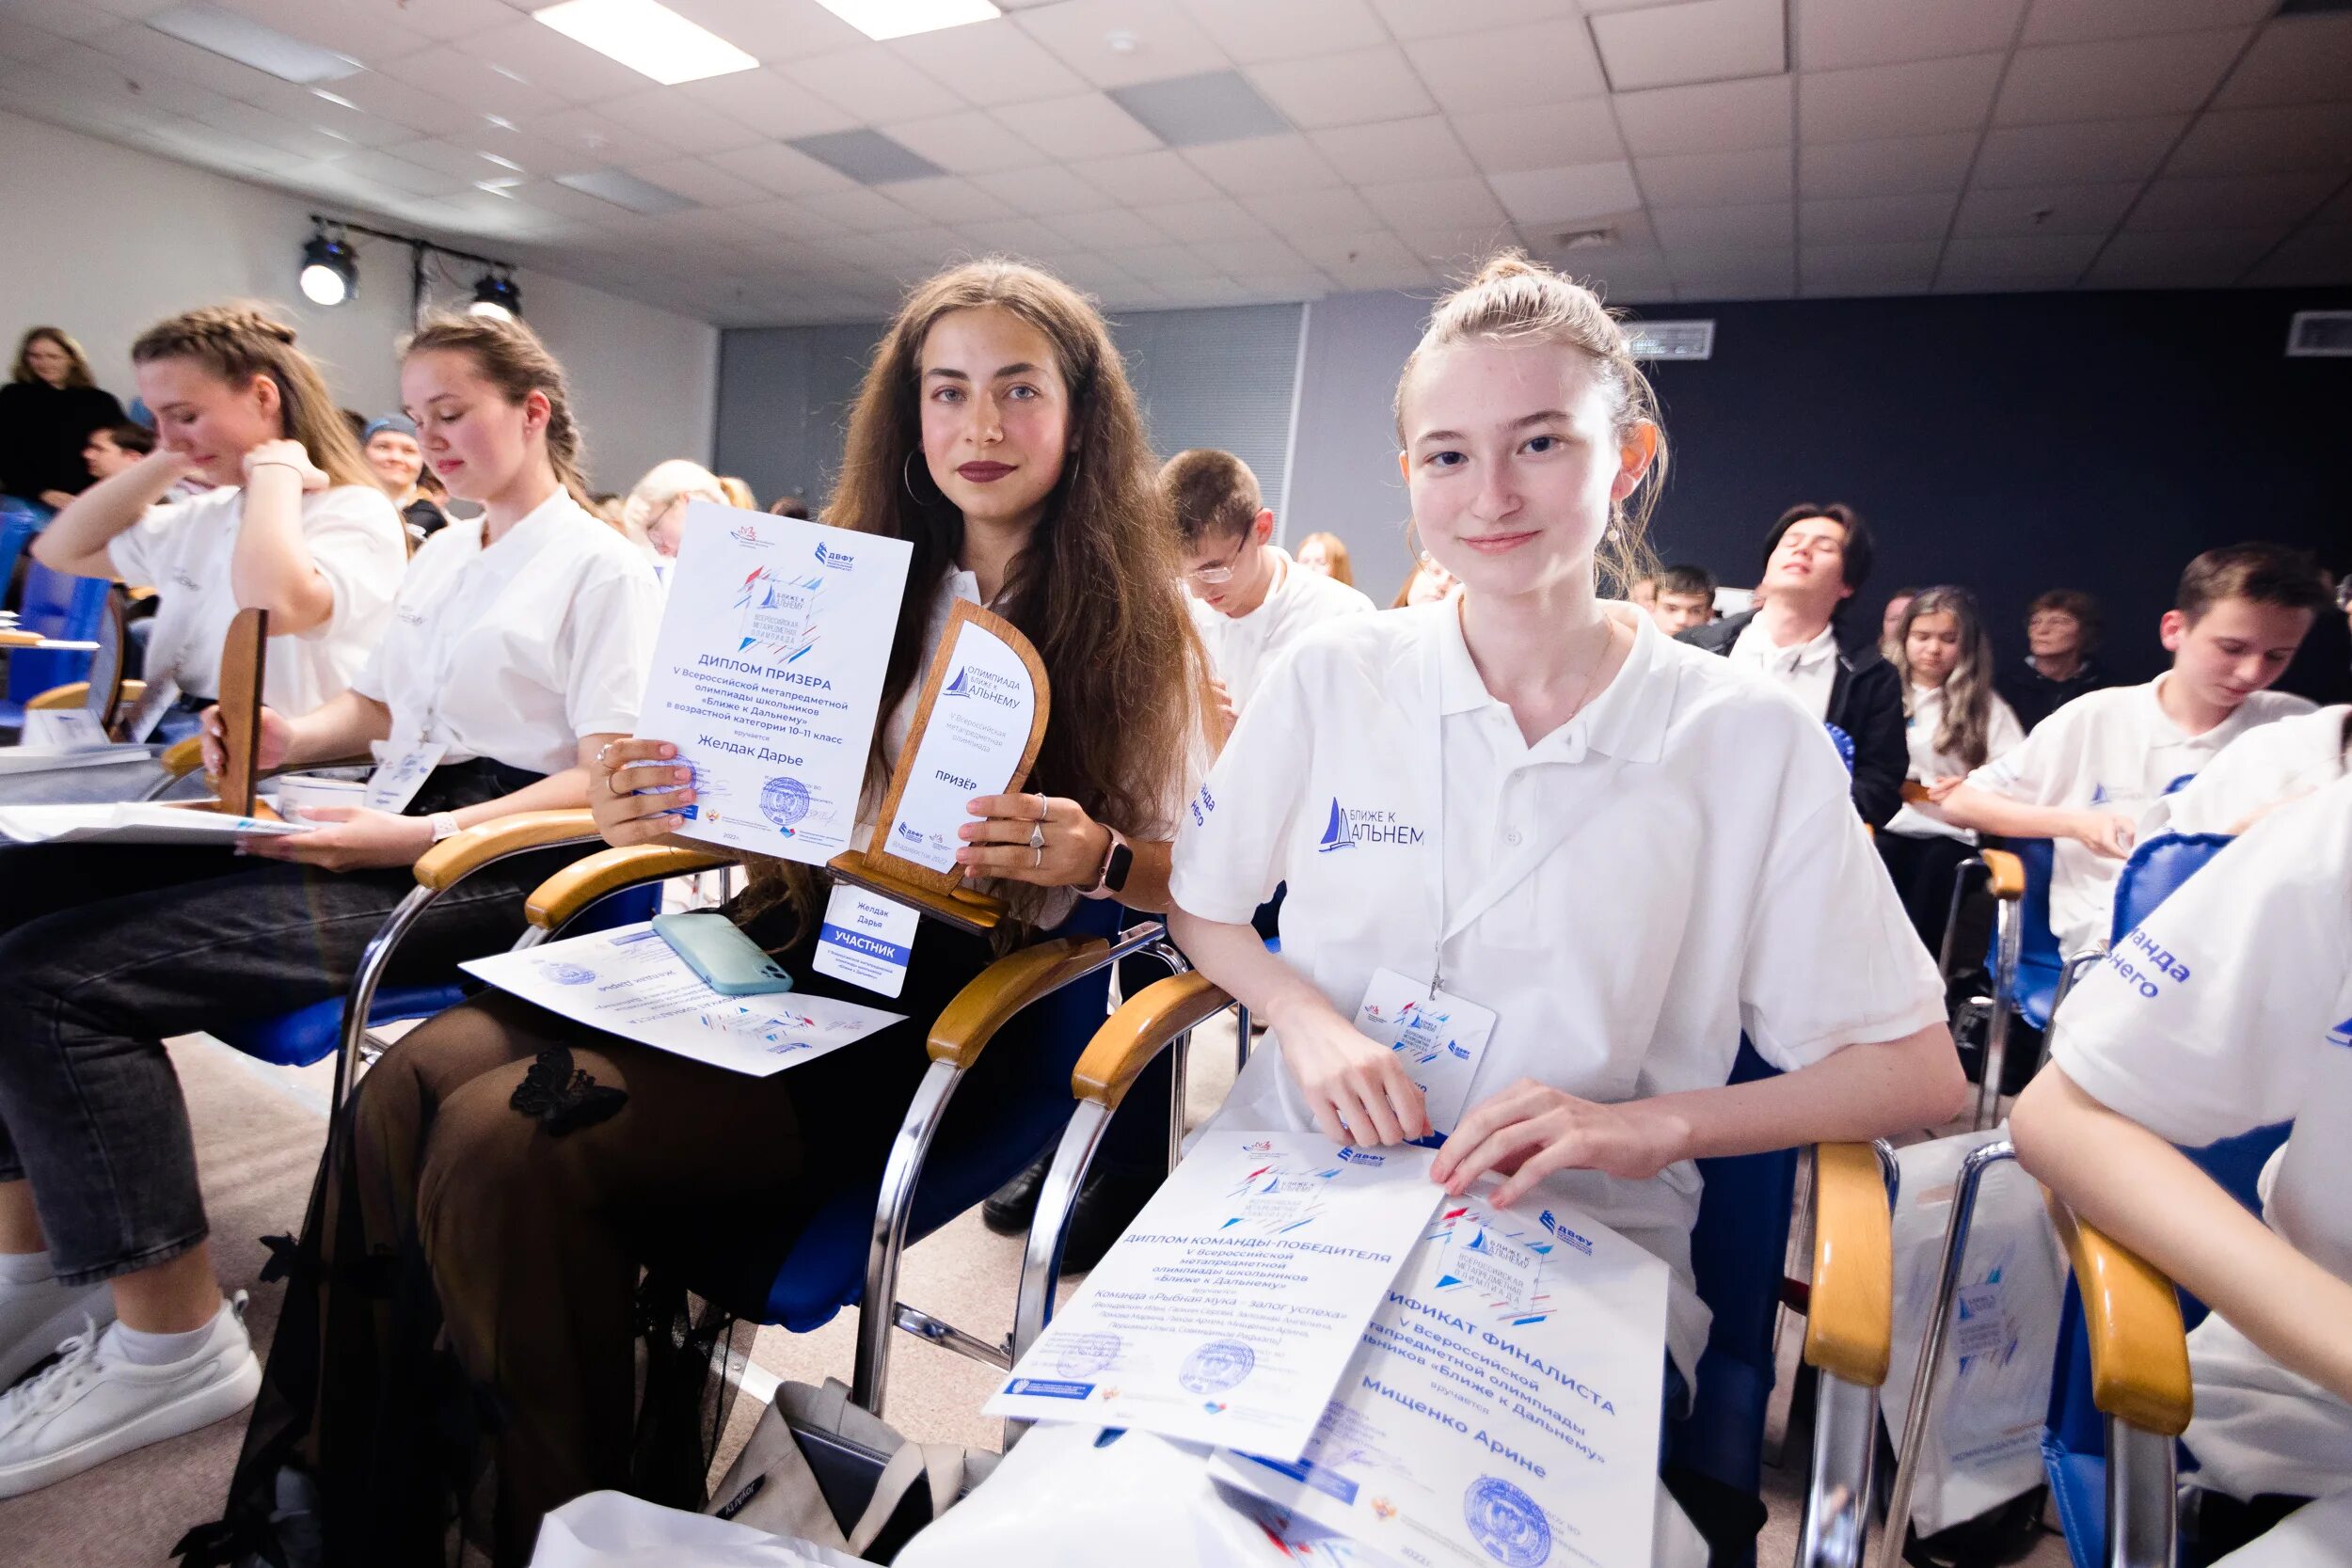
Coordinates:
(767, 674)
(629, 982)
(1229, 1308)
(1504, 1406)
(133, 824)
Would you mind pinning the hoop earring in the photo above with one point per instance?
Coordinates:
(906, 478)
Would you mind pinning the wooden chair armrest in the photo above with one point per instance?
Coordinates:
(2004, 874)
(570, 891)
(2139, 1350)
(58, 698)
(1916, 793)
(138, 593)
(1849, 1324)
(966, 1024)
(1141, 1028)
(183, 757)
(470, 850)
(19, 639)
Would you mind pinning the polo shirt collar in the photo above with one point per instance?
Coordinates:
(1627, 719)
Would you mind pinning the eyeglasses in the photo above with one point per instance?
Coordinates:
(1221, 571)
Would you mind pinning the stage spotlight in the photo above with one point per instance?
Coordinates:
(330, 270)
(495, 295)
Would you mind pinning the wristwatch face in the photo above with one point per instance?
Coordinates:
(1115, 875)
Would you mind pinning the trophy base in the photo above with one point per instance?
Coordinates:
(961, 906)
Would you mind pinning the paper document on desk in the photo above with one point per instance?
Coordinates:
(1504, 1405)
(630, 982)
(133, 824)
(1229, 1308)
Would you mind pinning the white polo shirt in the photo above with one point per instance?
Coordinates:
(1925, 819)
(182, 548)
(2292, 756)
(1806, 671)
(1242, 646)
(1677, 864)
(515, 651)
(2230, 1008)
(2113, 751)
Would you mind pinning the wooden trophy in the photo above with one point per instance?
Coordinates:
(942, 893)
(243, 656)
(102, 699)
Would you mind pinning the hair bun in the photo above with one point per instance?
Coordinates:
(1514, 262)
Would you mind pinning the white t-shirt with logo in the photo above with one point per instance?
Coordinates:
(517, 650)
(2230, 1008)
(2112, 751)
(1242, 647)
(1806, 671)
(183, 550)
(2293, 757)
(1925, 819)
(1678, 864)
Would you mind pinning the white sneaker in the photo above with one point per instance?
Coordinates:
(93, 1405)
(34, 1318)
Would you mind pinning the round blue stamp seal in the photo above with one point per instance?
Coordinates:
(1217, 1366)
(783, 800)
(1507, 1522)
(568, 973)
(1083, 1355)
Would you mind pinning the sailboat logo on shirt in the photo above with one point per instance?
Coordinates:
(1338, 835)
(2098, 796)
(2341, 1033)
(1350, 825)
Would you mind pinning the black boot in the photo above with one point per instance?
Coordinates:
(1011, 1207)
(1106, 1206)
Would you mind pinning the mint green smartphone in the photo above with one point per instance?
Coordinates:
(728, 961)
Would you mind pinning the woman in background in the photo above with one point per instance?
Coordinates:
(1428, 583)
(655, 513)
(1326, 554)
(47, 411)
(390, 443)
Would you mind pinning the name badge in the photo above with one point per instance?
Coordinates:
(398, 777)
(866, 940)
(147, 712)
(1439, 1036)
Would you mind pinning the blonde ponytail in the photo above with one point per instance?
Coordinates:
(238, 342)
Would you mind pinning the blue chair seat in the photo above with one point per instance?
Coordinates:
(310, 1034)
(2039, 960)
(55, 605)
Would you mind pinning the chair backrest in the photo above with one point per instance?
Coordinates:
(2156, 871)
(56, 606)
(1739, 1255)
(2038, 959)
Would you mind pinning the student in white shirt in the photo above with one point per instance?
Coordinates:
(2088, 773)
(1953, 724)
(1250, 600)
(1625, 850)
(1685, 598)
(296, 524)
(2229, 1009)
(517, 655)
(2256, 774)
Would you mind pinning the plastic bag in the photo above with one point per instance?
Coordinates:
(613, 1529)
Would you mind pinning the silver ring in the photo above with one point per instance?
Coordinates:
(1037, 836)
(603, 752)
(1045, 808)
(1039, 862)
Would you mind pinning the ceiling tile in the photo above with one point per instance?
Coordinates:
(289, 137)
(1899, 267)
(1541, 62)
(871, 82)
(989, 63)
(1274, 288)
(681, 122)
(2072, 21)
(107, 82)
(1353, 88)
(1722, 116)
(1262, 256)
(2084, 153)
(2296, 59)
(1262, 165)
(2035, 261)
(1043, 191)
(2313, 257)
(1371, 261)
(1219, 219)
(550, 60)
(465, 78)
(593, 139)
(1198, 293)
(1914, 99)
(1394, 149)
(2210, 259)
(857, 209)
(1445, 203)
(300, 104)
(785, 170)
(1251, 31)
(1112, 228)
(788, 218)
(1889, 168)
(2266, 141)
(44, 21)
(771, 104)
(773, 31)
(704, 182)
(1544, 137)
(1761, 274)
(966, 142)
(401, 175)
(564, 201)
(1695, 179)
(1420, 19)
(1161, 39)
(1567, 193)
(2044, 210)
(1760, 225)
(1698, 41)
(1877, 219)
(144, 51)
(1085, 269)
(1145, 177)
(368, 33)
(1163, 263)
(1089, 121)
(2233, 201)
(948, 199)
(1831, 35)
(1336, 210)
(2111, 79)
(449, 157)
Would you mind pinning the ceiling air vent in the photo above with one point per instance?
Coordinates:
(1672, 339)
(2320, 335)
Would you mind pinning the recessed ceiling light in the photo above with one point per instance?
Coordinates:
(500, 121)
(647, 37)
(503, 163)
(247, 42)
(334, 98)
(497, 187)
(897, 19)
